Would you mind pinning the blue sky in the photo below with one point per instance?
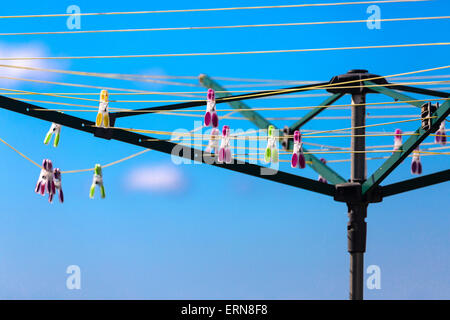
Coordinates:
(220, 235)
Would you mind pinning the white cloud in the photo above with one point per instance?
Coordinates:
(158, 178)
(26, 50)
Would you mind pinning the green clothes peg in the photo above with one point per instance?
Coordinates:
(55, 129)
(97, 180)
(271, 154)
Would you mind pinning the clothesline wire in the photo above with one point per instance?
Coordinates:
(20, 92)
(324, 148)
(347, 82)
(329, 161)
(261, 25)
(80, 170)
(256, 94)
(294, 108)
(345, 152)
(89, 169)
(310, 134)
(78, 85)
(185, 93)
(20, 153)
(263, 138)
(146, 150)
(132, 78)
(116, 76)
(159, 55)
(264, 81)
(208, 9)
(228, 110)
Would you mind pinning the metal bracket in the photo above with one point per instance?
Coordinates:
(339, 84)
(106, 133)
(351, 193)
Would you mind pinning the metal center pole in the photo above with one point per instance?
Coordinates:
(357, 212)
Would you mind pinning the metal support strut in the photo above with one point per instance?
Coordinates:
(356, 235)
(357, 211)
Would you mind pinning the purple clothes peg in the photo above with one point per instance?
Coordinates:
(416, 165)
(322, 179)
(45, 182)
(397, 139)
(211, 114)
(57, 183)
(440, 136)
(298, 159)
(225, 151)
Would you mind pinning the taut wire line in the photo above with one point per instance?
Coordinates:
(116, 76)
(209, 9)
(368, 126)
(261, 94)
(261, 25)
(356, 81)
(20, 92)
(292, 108)
(408, 45)
(159, 132)
(78, 85)
(60, 95)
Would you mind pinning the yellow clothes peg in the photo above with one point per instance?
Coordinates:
(102, 119)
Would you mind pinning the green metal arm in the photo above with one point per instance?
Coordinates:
(390, 164)
(262, 123)
(251, 115)
(426, 92)
(415, 183)
(393, 94)
(330, 100)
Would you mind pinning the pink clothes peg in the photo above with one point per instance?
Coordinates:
(213, 144)
(45, 182)
(322, 179)
(211, 114)
(416, 165)
(57, 182)
(298, 159)
(397, 139)
(440, 136)
(225, 150)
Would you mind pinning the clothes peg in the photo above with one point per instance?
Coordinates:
(322, 179)
(213, 144)
(45, 182)
(440, 136)
(102, 119)
(225, 150)
(397, 139)
(271, 153)
(211, 114)
(55, 129)
(58, 186)
(416, 165)
(97, 181)
(298, 159)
